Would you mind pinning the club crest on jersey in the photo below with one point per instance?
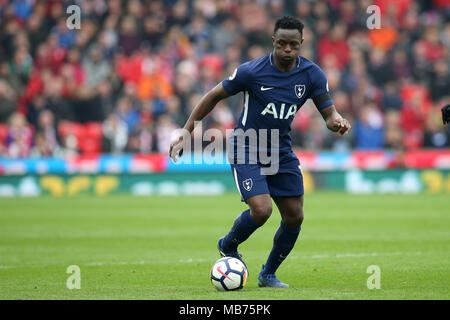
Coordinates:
(299, 90)
(248, 184)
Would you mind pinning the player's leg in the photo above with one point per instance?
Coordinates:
(260, 209)
(287, 192)
(291, 210)
(254, 191)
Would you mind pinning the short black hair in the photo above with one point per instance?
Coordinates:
(289, 22)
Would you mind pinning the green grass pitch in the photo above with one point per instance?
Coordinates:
(163, 247)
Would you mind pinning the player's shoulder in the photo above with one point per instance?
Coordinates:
(313, 70)
(306, 64)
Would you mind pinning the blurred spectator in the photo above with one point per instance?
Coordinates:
(47, 127)
(223, 35)
(412, 122)
(303, 12)
(164, 129)
(20, 137)
(41, 148)
(315, 135)
(379, 67)
(421, 66)
(400, 65)
(440, 80)
(108, 36)
(223, 116)
(434, 137)
(69, 146)
(95, 67)
(431, 44)
(385, 37)
(64, 36)
(129, 39)
(74, 73)
(393, 130)
(391, 97)
(369, 131)
(335, 45)
(7, 104)
(21, 64)
(106, 101)
(198, 32)
(115, 132)
(130, 92)
(173, 107)
(153, 29)
(127, 113)
(22, 9)
(142, 140)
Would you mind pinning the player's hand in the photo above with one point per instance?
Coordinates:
(341, 126)
(176, 148)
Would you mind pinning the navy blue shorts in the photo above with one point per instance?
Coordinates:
(288, 182)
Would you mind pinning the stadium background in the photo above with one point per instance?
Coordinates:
(92, 110)
(85, 123)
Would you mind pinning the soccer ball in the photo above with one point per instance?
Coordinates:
(229, 274)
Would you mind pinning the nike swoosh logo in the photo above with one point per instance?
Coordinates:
(264, 89)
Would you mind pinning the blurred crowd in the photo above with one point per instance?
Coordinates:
(137, 68)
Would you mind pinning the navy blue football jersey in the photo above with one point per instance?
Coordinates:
(273, 97)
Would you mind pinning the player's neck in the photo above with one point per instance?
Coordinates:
(282, 66)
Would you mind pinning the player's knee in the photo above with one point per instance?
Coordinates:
(299, 218)
(261, 212)
(294, 218)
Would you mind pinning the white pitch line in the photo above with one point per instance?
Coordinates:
(356, 255)
(111, 263)
(190, 260)
(7, 267)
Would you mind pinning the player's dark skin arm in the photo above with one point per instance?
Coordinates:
(206, 104)
(201, 110)
(334, 121)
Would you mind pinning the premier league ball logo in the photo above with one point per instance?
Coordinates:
(299, 90)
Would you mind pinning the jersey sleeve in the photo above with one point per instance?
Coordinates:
(238, 80)
(319, 93)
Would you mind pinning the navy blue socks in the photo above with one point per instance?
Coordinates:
(242, 228)
(283, 242)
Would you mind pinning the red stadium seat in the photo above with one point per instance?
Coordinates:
(74, 128)
(64, 128)
(94, 129)
(3, 133)
(90, 146)
(91, 143)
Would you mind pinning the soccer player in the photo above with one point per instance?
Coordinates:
(275, 86)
